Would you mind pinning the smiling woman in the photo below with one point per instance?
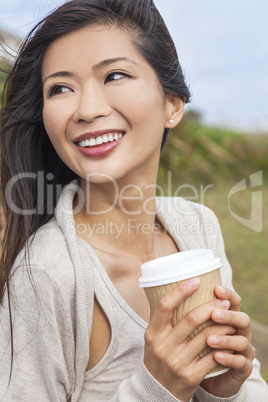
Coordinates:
(89, 103)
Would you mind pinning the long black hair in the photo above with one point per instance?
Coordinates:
(24, 144)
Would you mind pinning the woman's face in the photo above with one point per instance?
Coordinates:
(104, 111)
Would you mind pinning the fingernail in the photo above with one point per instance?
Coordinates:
(222, 289)
(219, 315)
(194, 282)
(220, 356)
(214, 340)
(225, 303)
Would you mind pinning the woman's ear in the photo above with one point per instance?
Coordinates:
(174, 109)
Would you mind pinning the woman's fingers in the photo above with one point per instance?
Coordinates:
(229, 294)
(236, 361)
(170, 357)
(199, 342)
(166, 306)
(198, 316)
(160, 335)
(239, 320)
(236, 343)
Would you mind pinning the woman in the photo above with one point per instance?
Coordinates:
(94, 88)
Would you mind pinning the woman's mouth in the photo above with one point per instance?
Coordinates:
(99, 145)
(102, 139)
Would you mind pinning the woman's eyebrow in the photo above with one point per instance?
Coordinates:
(97, 66)
(59, 74)
(107, 62)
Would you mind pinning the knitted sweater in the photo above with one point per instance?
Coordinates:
(52, 310)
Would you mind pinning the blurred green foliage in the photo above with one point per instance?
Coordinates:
(196, 153)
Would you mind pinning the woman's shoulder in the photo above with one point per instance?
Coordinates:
(193, 225)
(46, 254)
(183, 209)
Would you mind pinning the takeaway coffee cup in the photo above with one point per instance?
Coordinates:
(163, 274)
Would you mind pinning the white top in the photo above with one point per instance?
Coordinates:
(52, 314)
(127, 343)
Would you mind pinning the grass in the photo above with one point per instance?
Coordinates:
(265, 375)
(246, 249)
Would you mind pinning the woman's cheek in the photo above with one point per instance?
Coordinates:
(47, 118)
(53, 119)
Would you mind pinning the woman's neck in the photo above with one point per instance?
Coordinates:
(119, 217)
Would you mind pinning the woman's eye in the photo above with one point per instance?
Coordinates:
(58, 89)
(116, 76)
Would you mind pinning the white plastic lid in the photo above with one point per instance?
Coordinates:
(177, 267)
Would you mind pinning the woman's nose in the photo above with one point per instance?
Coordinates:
(91, 104)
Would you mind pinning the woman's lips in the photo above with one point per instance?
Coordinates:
(92, 147)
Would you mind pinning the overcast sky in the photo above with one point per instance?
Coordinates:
(222, 45)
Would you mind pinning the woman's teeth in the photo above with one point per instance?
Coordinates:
(91, 142)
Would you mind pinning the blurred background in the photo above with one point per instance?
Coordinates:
(218, 154)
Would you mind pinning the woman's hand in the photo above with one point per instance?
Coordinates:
(169, 356)
(243, 353)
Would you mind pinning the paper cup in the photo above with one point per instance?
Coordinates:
(163, 274)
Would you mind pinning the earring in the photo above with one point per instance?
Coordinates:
(171, 121)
